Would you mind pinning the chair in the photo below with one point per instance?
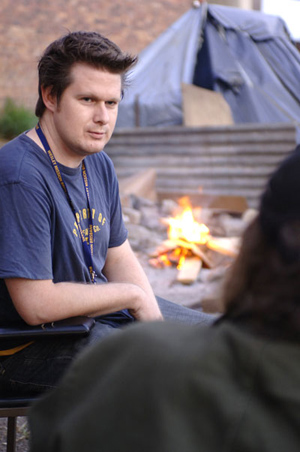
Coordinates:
(12, 406)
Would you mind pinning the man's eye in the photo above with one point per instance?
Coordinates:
(87, 99)
(111, 103)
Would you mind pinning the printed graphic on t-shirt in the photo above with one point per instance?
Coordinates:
(82, 216)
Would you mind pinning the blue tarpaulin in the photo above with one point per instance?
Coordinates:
(247, 56)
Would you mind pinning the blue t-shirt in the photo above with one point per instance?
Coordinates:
(39, 236)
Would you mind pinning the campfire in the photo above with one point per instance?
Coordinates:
(188, 245)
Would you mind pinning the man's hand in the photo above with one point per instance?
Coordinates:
(122, 266)
(146, 308)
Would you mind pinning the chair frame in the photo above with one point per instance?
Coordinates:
(12, 408)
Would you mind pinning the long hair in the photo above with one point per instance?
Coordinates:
(92, 48)
(263, 287)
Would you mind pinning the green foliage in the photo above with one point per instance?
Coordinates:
(15, 119)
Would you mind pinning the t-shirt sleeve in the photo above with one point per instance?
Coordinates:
(24, 233)
(118, 231)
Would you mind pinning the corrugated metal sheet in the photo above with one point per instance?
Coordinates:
(230, 160)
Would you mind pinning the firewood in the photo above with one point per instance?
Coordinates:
(163, 248)
(155, 262)
(174, 256)
(189, 271)
(224, 245)
(196, 250)
(160, 261)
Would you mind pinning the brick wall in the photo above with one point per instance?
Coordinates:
(27, 26)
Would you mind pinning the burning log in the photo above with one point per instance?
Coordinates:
(164, 247)
(187, 247)
(196, 250)
(168, 254)
(173, 250)
(159, 262)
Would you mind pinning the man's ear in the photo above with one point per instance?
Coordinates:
(49, 99)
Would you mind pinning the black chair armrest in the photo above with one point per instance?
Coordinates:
(73, 326)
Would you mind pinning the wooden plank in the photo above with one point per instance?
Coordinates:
(203, 107)
(228, 246)
(189, 271)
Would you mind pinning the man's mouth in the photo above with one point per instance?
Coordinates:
(97, 134)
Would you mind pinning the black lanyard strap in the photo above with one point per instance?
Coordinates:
(88, 248)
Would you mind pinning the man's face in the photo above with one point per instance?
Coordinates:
(85, 117)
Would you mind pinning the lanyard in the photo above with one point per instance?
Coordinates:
(88, 249)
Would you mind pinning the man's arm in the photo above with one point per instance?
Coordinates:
(42, 301)
(122, 266)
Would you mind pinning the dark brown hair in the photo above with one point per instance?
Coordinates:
(263, 287)
(92, 48)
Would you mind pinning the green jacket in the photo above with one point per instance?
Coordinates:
(173, 388)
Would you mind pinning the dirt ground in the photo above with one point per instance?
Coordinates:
(22, 438)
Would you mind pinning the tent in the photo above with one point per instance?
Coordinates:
(247, 56)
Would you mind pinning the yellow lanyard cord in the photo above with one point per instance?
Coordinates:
(14, 350)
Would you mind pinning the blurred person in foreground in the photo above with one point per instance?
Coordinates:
(232, 386)
(64, 249)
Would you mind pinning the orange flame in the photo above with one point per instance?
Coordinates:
(185, 227)
(185, 234)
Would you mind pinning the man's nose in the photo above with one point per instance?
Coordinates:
(101, 113)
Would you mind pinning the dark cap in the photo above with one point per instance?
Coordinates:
(280, 201)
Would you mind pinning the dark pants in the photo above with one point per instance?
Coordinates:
(39, 367)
